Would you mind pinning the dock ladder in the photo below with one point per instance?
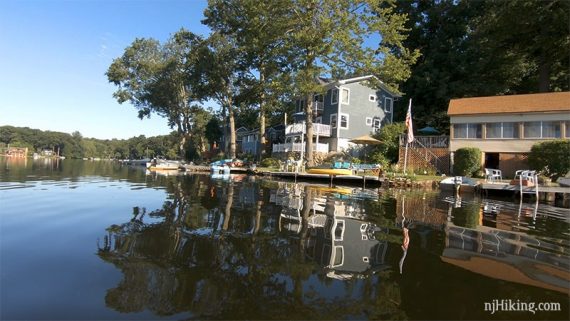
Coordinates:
(527, 177)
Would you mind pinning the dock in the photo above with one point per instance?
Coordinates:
(545, 193)
(344, 179)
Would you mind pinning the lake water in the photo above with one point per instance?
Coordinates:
(94, 240)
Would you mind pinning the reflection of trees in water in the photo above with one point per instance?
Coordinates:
(228, 260)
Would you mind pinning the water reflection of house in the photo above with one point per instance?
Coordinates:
(339, 237)
(347, 247)
(509, 256)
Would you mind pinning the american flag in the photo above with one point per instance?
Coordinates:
(409, 123)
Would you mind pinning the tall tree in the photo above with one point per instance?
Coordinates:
(484, 48)
(258, 29)
(329, 37)
(152, 77)
(218, 75)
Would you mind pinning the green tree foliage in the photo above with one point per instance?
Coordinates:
(328, 37)
(483, 48)
(551, 158)
(77, 146)
(153, 78)
(389, 135)
(467, 161)
(258, 29)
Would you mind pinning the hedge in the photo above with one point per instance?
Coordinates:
(467, 161)
(551, 158)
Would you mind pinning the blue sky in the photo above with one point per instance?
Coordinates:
(54, 55)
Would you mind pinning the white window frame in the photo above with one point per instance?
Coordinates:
(368, 121)
(333, 101)
(372, 98)
(340, 120)
(335, 116)
(347, 96)
(388, 107)
(375, 122)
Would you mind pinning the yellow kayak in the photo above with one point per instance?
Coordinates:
(330, 171)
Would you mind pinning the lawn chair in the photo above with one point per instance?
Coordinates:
(492, 175)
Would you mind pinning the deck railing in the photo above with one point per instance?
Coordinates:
(298, 147)
(428, 141)
(299, 128)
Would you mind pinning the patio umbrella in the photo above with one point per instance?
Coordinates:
(428, 131)
(365, 140)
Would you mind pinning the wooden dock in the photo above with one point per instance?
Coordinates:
(526, 189)
(344, 179)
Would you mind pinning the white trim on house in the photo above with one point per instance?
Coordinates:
(368, 121)
(342, 90)
(335, 120)
(372, 98)
(376, 125)
(333, 101)
(388, 107)
(340, 120)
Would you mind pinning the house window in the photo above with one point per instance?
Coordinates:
(510, 130)
(469, 131)
(344, 121)
(345, 96)
(339, 230)
(567, 125)
(388, 104)
(319, 120)
(551, 129)
(542, 129)
(338, 257)
(319, 98)
(372, 98)
(376, 126)
(368, 121)
(502, 130)
(333, 120)
(334, 96)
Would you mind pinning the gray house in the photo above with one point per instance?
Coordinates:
(348, 108)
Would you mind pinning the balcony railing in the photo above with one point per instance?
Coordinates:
(428, 141)
(299, 128)
(298, 147)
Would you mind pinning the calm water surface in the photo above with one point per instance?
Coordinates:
(94, 240)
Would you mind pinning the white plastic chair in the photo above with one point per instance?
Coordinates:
(491, 175)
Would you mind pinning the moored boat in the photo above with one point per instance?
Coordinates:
(162, 164)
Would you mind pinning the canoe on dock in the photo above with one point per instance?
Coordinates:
(330, 171)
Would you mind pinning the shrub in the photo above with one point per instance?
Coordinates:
(550, 158)
(270, 162)
(467, 161)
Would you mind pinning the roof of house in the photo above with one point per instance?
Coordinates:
(328, 82)
(544, 102)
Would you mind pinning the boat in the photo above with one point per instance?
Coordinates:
(162, 164)
(221, 167)
(330, 171)
(465, 184)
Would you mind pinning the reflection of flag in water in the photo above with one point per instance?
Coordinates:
(409, 123)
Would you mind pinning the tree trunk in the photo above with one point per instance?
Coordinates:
(309, 130)
(544, 73)
(262, 140)
(232, 130)
(228, 209)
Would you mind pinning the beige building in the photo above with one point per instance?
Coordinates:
(504, 128)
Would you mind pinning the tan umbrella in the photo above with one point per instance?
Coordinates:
(365, 140)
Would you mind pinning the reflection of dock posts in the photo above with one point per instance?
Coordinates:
(457, 184)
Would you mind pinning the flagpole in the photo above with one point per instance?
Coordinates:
(406, 156)
(410, 134)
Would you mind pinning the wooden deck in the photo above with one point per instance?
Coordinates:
(345, 179)
(516, 188)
